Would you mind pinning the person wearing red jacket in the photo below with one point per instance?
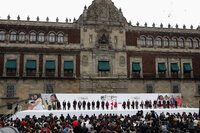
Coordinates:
(45, 129)
(107, 105)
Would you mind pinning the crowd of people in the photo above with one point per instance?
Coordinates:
(108, 123)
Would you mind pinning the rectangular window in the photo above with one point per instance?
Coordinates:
(149, 88)
(11, 66)
(175, 89)
(103, 66)
(50, 66)
(49, 88)
(174, 67)
(136, 67)
(31, 66)
(161, 67)
(68, 67)
(187, 67)
(10, 91)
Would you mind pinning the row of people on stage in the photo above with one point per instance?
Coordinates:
(87, 105)
(148, 104)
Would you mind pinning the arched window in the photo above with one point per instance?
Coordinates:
(189, 43)
(41, 37)
(21, 36)
(60, 38)
(166, 42)
(196, 43)
(51, 37)
(174, 42)
(158, 42)
(143, 41)
(149, 42)
(181, 43)
(32, 37)
(13, 36)
(2, 35)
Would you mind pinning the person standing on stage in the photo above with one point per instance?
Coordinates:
(88, 105)
(115, 105)
(142, 104)
(84, 104)
(58, 105)
(164, 103)
(102, 104)
(133, 104)
(136, 103)
(155, 104)
(93, 105)
(168, 103)
(128, 104)
(74, 104)
(98, 104)
(124, 105)
(172, 101)
(64, 105)
(107, 105)
(146, 104)
(79, 105)
(176, 103)
(68, 105)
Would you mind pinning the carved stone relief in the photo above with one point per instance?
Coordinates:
(122, 61)
(85, 60)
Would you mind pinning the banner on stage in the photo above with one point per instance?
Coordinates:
(56, 101)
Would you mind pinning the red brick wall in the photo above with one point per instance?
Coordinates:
(78, 65)
(59, 65)
(74, 35)
(196, 66)
(1, 63)
(148, 62)
(21, 65)
(131, 38)
(40, 65)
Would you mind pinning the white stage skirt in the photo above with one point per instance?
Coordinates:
(39, 113)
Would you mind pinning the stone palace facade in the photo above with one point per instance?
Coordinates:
(98, 53)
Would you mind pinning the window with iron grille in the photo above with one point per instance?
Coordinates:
(175, 89)
(149, 88)
(49, 88)
(10, 90)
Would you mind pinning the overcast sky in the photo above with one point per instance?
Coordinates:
(159, 11)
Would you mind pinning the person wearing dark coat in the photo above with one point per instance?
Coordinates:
(164, 103)
(133, 104)
(68, 105)
(88, 105)
(98, 104)
(124, 105)
(155, 104)
(79, 105)
(168, 104)
(176, 104)
(103, 104)
(84, 129)
(136, 103)
(64, 105)
(128, 104)
(93, 105)
(84, 104)
(58, 105)
(74, 104)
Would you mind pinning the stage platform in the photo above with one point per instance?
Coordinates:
(39, 113)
